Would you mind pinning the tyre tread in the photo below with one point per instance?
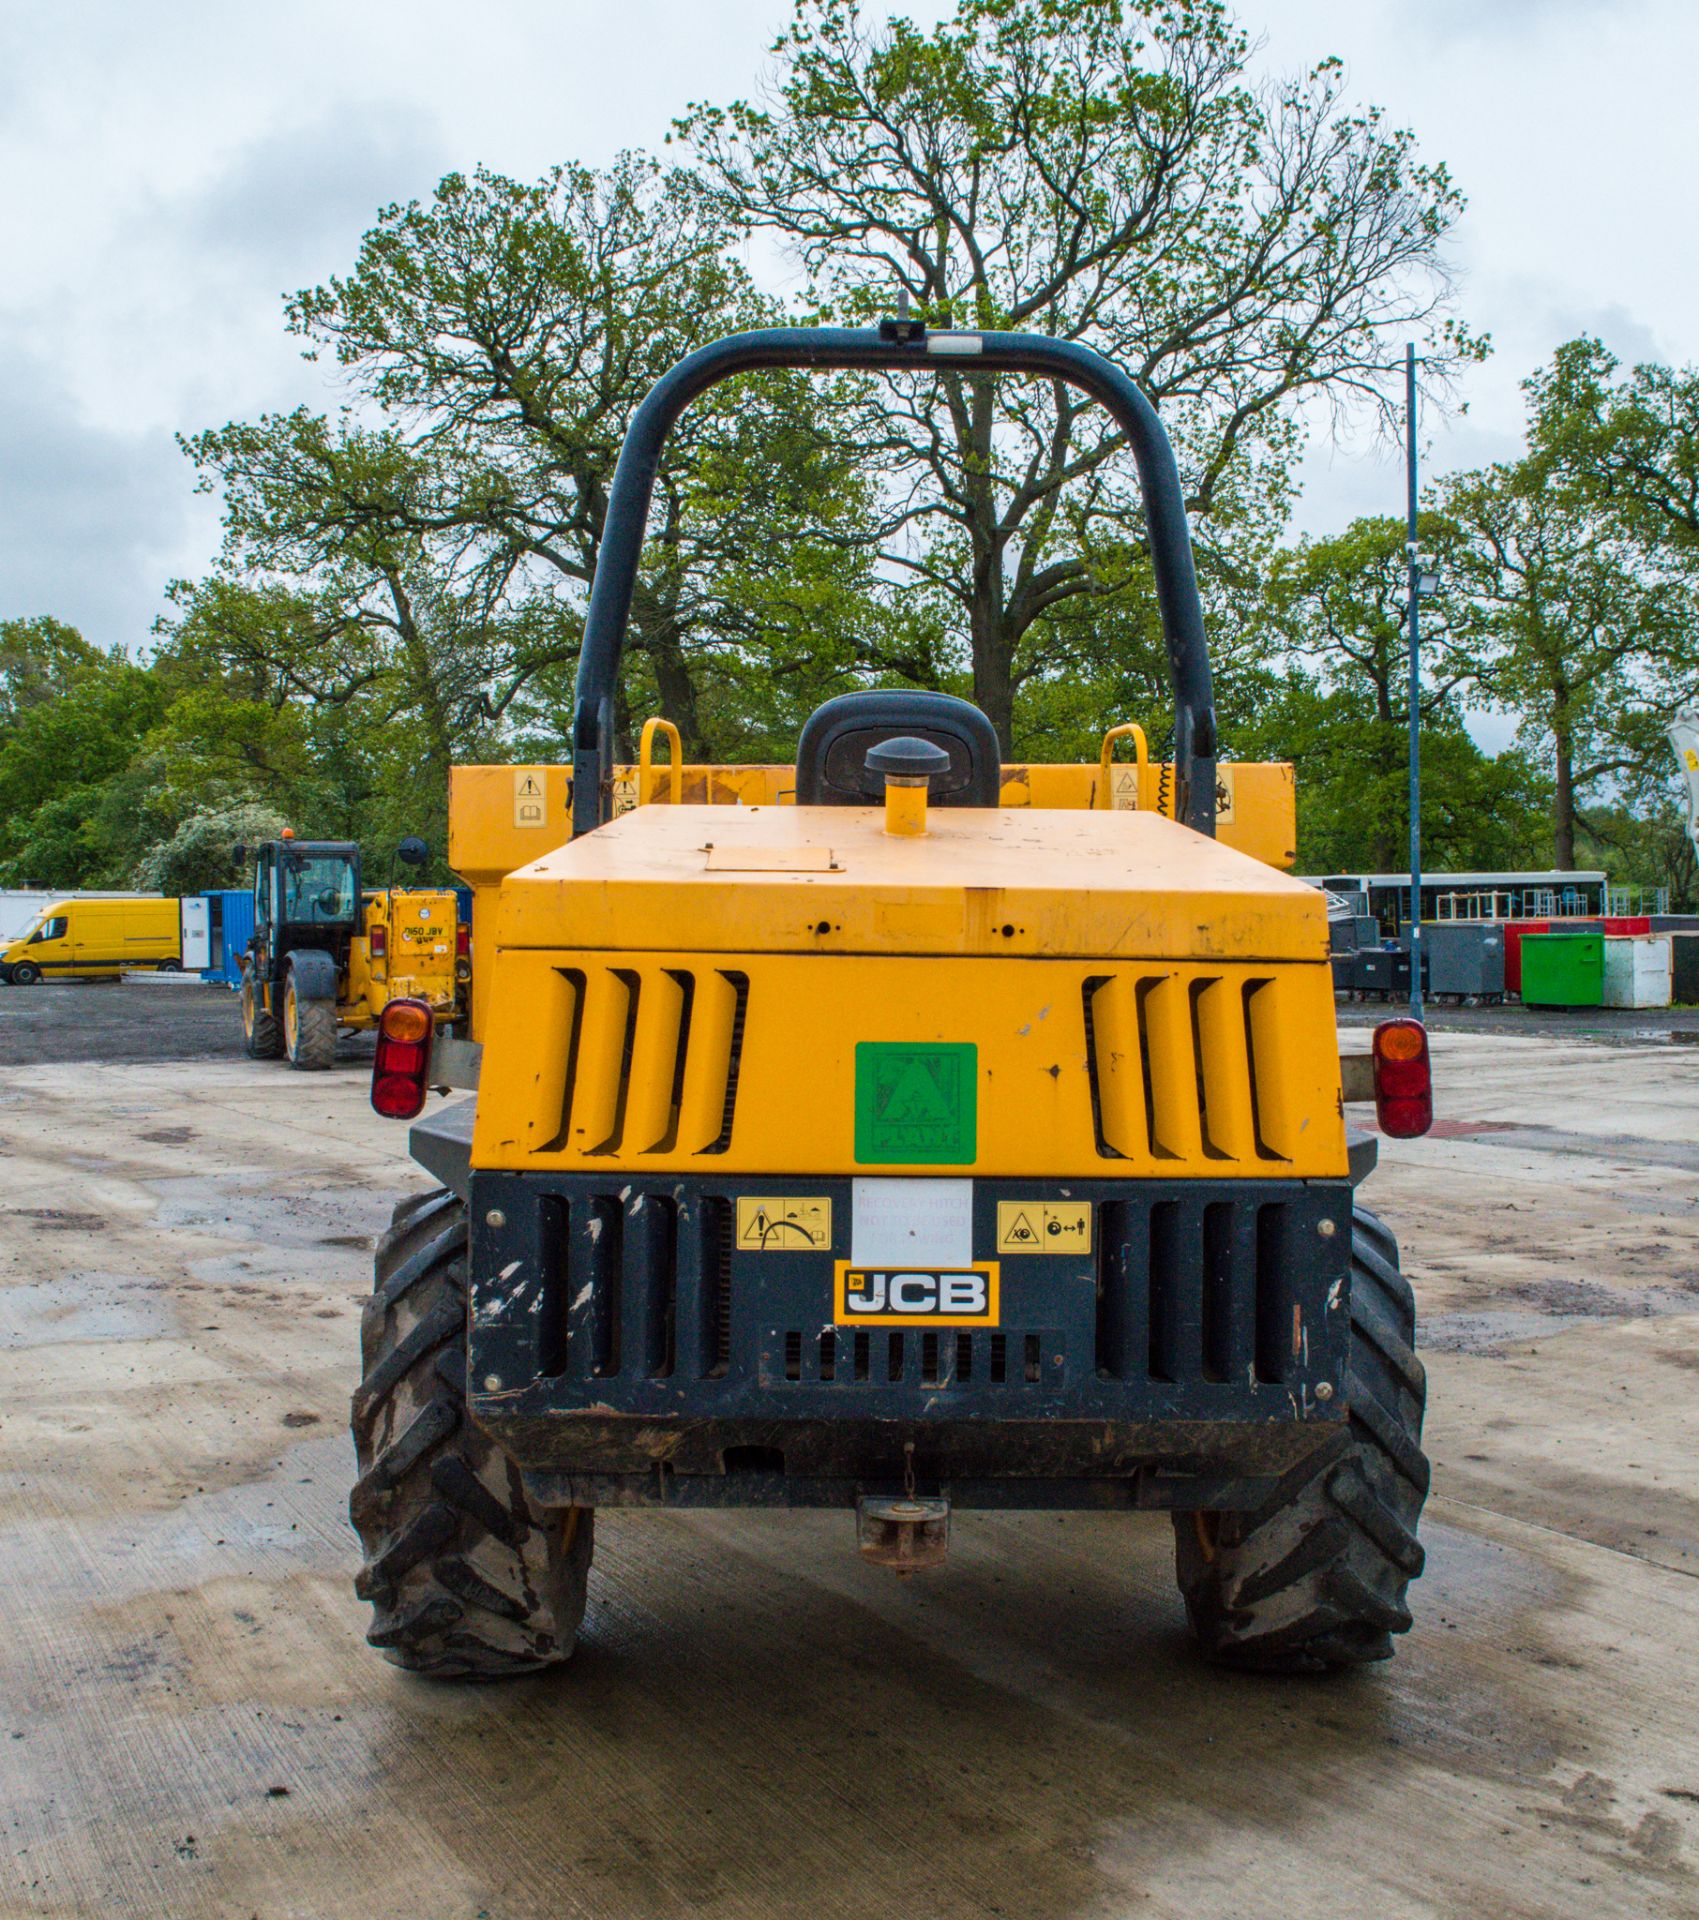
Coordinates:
(467, 1580)
(1318, 1577)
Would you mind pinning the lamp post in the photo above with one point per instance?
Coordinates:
(1418, 577)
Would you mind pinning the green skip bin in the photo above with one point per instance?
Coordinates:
(1563, 969)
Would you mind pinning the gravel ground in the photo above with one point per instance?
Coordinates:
(146, 1016)
(757, 1726)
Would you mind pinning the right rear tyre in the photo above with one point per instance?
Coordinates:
(259, 1029)
(466, 1578)
(1318, 1578)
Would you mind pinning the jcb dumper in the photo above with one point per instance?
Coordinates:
(931, 1136)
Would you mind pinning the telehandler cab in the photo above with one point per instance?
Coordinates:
(326, 955)
(917, 1134)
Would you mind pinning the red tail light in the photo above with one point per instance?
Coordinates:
(380, 942)
(1404, 1092)
(403, 1059)
(462, 940)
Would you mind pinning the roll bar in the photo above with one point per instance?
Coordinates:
(896, 346)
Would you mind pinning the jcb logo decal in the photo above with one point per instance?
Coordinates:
(916, 1296)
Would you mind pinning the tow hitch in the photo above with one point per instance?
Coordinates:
(906, 1533)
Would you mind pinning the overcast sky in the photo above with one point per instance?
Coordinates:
(171, 169)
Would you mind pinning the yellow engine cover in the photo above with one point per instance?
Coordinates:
(793, 990)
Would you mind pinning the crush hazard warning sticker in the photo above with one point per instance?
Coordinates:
(916, 1105)
(1043, 1226)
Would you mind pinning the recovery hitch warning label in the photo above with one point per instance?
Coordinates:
(915, 1296)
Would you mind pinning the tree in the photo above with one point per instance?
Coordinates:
(1627, 446)
(1479, 811)
(1103, 171)
(76, 806)
(506, 332)
(200, 854)
(40, 659)
(1578, 629)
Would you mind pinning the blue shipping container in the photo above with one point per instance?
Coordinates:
(230, 925)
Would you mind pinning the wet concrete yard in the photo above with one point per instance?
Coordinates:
(756, 1724)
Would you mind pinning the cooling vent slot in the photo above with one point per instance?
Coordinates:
(850, 1358)
(1196, 1291)
(617, 1270)
(651, 1060)
(1187, 1067)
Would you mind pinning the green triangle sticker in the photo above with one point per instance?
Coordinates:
(916, 1105)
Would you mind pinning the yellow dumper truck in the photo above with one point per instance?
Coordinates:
(77, 939)
(921, 1134)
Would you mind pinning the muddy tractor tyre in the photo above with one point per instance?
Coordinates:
(1317, 1577)
(466, 1578)
(309, 1028)
(260, 1039)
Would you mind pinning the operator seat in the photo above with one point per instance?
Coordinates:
(831, 756)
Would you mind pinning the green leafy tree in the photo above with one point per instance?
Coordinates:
(76, 804)
(1577, 628)
(1104, 171)
(1625, 443)
(200, 853)
(506, 332)
(40, 660)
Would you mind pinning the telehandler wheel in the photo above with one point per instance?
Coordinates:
(1317, 1578)
(467, 1579)
(260, 1038)
(309, 1028)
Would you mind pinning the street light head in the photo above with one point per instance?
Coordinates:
(1427, 580)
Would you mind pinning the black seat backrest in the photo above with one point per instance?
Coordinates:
(831, 756)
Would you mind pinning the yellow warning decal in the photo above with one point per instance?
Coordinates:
(1043, 1226)
(528, 801)
(770, 1224)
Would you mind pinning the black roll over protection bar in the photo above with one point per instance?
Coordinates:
(896, 347)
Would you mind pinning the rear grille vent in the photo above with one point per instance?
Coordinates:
(850, 1358)
(1182, 1068)
(1197, 1294)
(652, 1060)
(1190, 1292)
(612, 1266)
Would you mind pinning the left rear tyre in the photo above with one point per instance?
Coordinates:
(466, 1578)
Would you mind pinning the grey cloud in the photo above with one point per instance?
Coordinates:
(312, 188)
(90, 520)
(1627, 336)
(1478, 19)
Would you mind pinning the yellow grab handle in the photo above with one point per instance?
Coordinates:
(1140, 745)
(645, 761)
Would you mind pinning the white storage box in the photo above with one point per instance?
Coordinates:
(1637, 971)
